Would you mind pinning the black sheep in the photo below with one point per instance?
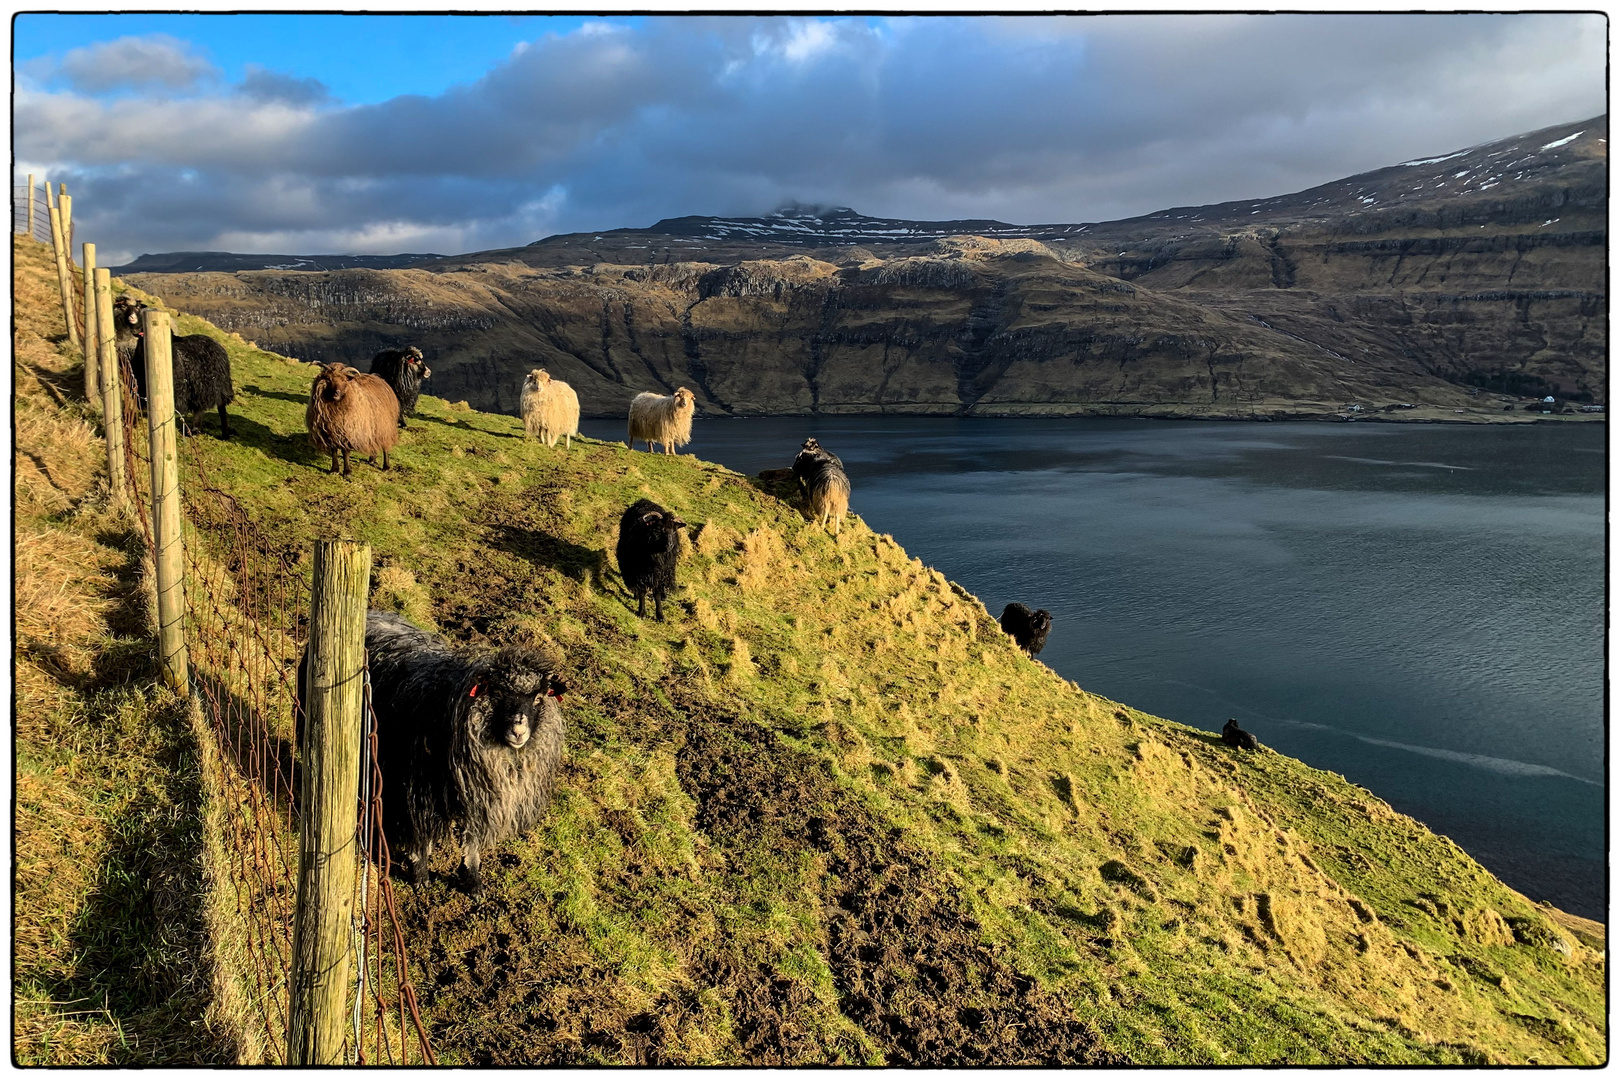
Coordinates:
(1028, 628)
(202, 367)
(1232, 735)
(649, 546)
(404, 372)
(470, 741)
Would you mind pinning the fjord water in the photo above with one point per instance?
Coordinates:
(1417, 607)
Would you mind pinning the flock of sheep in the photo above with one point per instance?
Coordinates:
(473, 741)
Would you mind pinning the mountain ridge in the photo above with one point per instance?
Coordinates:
(1466, 285)
(808, 224)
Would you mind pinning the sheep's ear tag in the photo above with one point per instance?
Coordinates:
(474, 691)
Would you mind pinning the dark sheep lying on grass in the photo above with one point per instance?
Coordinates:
(202, 367)
(1232, 735)
(404, 372)
(350, 410)
(1028, 628)
(826, 486)
(649, 546)
(466, 741)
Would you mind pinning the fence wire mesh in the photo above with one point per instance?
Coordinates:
(40, 226)
(247, 623)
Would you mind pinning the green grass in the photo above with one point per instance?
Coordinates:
(827, 813)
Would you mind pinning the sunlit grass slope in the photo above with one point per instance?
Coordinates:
(827, 812)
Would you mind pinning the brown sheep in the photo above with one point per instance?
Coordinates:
(349, 410)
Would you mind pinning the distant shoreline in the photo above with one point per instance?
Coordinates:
(1431, 415)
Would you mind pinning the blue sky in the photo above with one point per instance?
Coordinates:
(360, 58)
(307, 134)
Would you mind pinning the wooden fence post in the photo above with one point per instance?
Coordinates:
(63, 279)
(328, 847)
(168, 552)
(65, 201)
(112, 398)
(92, 355)
(30, 229)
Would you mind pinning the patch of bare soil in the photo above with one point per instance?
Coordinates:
(909, 962)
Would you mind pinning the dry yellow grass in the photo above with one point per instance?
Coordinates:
(106, 951)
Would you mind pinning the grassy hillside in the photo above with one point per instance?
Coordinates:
(110, 959)
(828, 813)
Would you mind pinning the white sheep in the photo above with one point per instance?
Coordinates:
(550, 409)
(657, 418)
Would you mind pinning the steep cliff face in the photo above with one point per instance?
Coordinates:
(1484, 267)
(1413, 284)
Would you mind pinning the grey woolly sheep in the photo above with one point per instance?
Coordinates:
(550, 409)
(404, 372)
(466, 741)
(349, 410)
(659, 418)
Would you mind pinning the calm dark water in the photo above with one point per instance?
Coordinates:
(1420, 608)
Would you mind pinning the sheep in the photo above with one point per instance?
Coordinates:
(348, 411)
(649, 546)
(462, 740)
(550, 409)
(404, 372)
(656, 418)
(126, 326)
(202, 367)
(826, 486)
(1028, 628)
(1232, 735)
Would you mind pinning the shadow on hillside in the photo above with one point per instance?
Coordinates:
(141, 939)
(280, 395)
(464, 424)
(538, 546)
(66, 385)
(142, 955)
(294, 448)
(781, 483)
(249, 738)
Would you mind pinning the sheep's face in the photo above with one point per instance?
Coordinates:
(333, 382)
(666, 526)
(509, 708)
(684, 398)
(127, 313)
(413, 361)
(535, 380)
(1041, 621)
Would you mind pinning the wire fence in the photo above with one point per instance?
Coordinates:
(247, 623)
(39, 227)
